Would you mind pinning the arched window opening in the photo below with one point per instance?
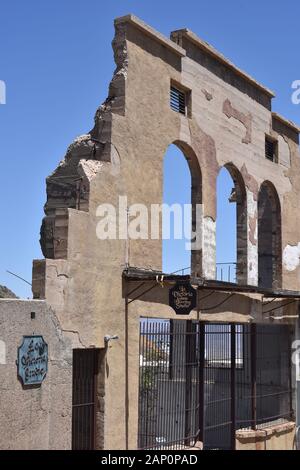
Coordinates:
(269, 237)
(231, 239)
(181, 193)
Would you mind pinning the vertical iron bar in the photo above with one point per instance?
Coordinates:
(96, 367)
(144, 329)
(140, 389)
(162, 383)
(201, 381)
(233, 386)
(171, 350)
(126, 375)
(147, 382)
(253, 360)
(177, 375)
(188, 381)
(181, 376)
(170, 374)
(290, 372)
(155, 368)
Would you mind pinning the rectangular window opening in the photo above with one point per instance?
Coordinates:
(179, 100)
(271, 149)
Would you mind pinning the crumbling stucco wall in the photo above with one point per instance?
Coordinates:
(229, 128)
(123, 156)
(34, 417)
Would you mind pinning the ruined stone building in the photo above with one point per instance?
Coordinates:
(221, 376)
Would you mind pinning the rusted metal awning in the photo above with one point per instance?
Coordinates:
(145, 275)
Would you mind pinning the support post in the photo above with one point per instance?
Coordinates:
(253, 348)
(188, 381)
(233, 385)
(201, 381)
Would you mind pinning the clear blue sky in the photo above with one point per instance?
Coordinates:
(56, 60)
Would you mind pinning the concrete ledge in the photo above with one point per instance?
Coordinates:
(131, 19)
(220, 57)
(286, 122)
(277, 437)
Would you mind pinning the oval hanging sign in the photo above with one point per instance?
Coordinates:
(182, 298)
(32, 360)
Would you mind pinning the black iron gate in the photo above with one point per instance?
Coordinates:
(200, 382)
(83, 402)
(169, 384)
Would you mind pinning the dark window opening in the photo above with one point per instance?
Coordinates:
(178, 100)
(271, 149)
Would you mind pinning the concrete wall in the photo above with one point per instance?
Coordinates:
(37, 417)
(81, 277)
(281, 437)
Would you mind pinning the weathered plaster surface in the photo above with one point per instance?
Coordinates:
(39, 417)
(277, 438)
(89, 168)
(123, 155)
(250, 181)
(245, 119)
(209, 248)
(284, 153)
(207, 95)
(2, 352)
(291, 257)
(252, 239)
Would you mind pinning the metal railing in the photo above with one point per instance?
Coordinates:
(226, 272)
(182, 271)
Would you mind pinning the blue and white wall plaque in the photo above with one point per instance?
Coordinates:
(32, 360)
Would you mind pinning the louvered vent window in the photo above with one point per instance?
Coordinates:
(178, 100)
(271, 149)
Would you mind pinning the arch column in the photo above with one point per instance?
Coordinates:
(252, 224)
(269, 237)
(209, 247)
(209, 225)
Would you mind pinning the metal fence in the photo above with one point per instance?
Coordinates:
(203, 381)
(169, 384)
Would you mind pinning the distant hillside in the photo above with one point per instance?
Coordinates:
(6, 293)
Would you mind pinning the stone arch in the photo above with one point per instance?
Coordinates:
(239, 196)
(196, 200)
(269, 237)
